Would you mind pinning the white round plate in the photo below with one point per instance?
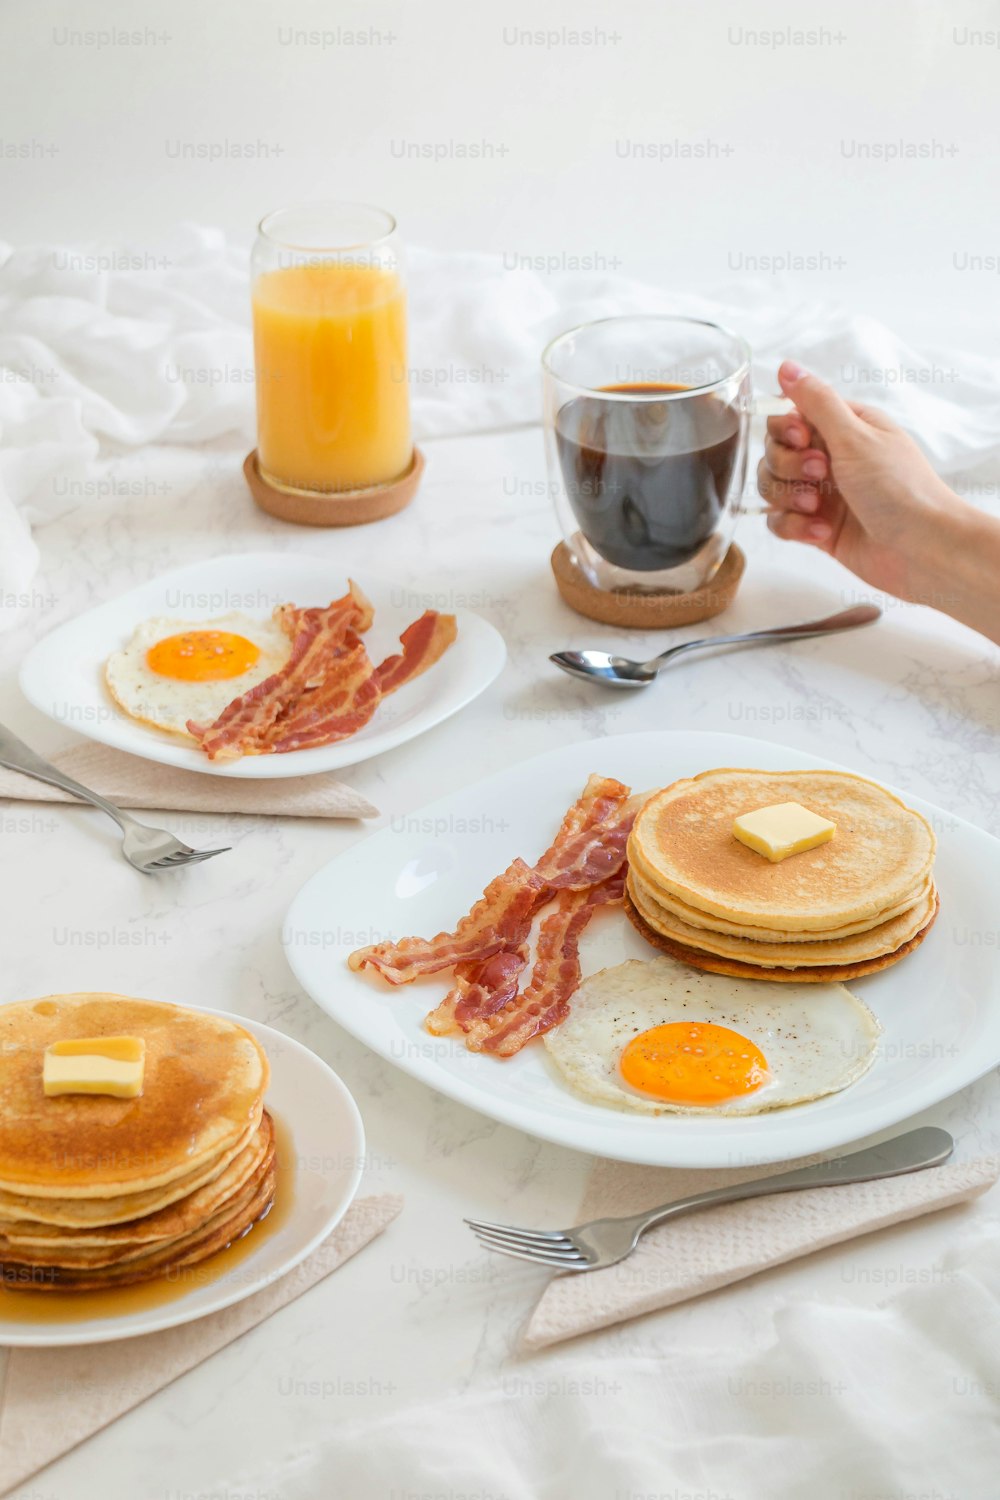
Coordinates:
(320, 1119)
(63, 675)
(940, 1007)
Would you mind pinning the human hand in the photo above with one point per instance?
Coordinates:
(844, 478)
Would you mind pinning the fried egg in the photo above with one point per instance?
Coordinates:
(175, 670)
(659, 1037)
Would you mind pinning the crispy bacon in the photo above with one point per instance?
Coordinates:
(355, 603)
(341, 705)
(501, 918)
(317, 641)
(501, 909)
(590, 844)
(423, 642)
(480, 988)
(328, 688)
(595, 832)
(584, 867)
(554, 978)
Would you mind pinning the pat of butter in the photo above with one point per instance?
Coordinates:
(784, 829)
(95, 1065)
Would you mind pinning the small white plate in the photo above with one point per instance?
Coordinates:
(940, 1007)
(319, 1123)
(64, 674)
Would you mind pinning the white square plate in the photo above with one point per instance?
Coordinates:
(940, 1007)
(64, 674)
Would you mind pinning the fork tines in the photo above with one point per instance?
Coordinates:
(181, 857)
(543, 1247)
(190, 856)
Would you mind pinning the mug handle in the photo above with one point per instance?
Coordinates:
(769, 406)
(760, 406)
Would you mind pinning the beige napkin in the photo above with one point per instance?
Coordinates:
(705, 1250)
(131, 781)
(107, 1380)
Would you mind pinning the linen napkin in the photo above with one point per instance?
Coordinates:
(108, 1380)
(702, 1251)
(130, 781)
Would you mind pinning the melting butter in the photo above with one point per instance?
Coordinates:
(111, 1065)
(783, 829)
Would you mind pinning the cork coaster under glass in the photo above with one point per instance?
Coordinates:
(642, 610)
(344, 508)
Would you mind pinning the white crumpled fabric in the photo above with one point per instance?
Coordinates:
(897, 1402)
(113, 345)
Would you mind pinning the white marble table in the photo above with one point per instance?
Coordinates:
(421, 1311)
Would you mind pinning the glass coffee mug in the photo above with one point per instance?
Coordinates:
(646, 432)
(329, 327)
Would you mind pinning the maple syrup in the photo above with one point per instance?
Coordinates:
(40, 1308)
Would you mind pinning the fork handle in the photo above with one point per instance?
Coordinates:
(17, 756)
(912, 1152)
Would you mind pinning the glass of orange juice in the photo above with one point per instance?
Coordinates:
(329, 327)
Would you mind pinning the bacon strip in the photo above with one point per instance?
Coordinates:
(424, 642)
(355, 602)
(594, 835)
(511, 900)
(590, 844)
(341, 705)
(554, 978)
(317, 640)
(350, 693)
(504, 905)
(480, 988)
(328, 688)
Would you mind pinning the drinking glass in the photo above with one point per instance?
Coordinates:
(329, 323)
(646, 431)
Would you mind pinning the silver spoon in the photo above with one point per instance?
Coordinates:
(621, 671)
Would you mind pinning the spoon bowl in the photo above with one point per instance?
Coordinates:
(616, 671)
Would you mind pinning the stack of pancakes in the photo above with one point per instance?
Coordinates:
(98, 1192)
(849, 907)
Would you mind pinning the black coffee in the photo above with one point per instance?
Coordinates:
(648, 480)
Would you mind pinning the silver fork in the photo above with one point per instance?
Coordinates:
(602, 1242)
(148, 849)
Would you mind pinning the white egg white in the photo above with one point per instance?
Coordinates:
(817, 1038)
(167, 702)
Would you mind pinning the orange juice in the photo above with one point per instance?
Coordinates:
(333, 409)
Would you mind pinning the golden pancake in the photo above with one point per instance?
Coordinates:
(695, 918)
(81, 1213)
(168, 1262)
(93, 1258)
(820, 951)
(204, 1081)
(168, 1223)
(682, 843)
(98, 1258)
(821, 974)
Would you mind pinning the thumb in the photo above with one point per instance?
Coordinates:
(819, 403)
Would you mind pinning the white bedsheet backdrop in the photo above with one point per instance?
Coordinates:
(106, 345)
(896, 1402)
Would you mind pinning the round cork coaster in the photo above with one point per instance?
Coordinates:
(644, 611)
(350, 508)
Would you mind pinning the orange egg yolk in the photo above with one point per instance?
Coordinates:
(693, 1062)
(202, 656)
